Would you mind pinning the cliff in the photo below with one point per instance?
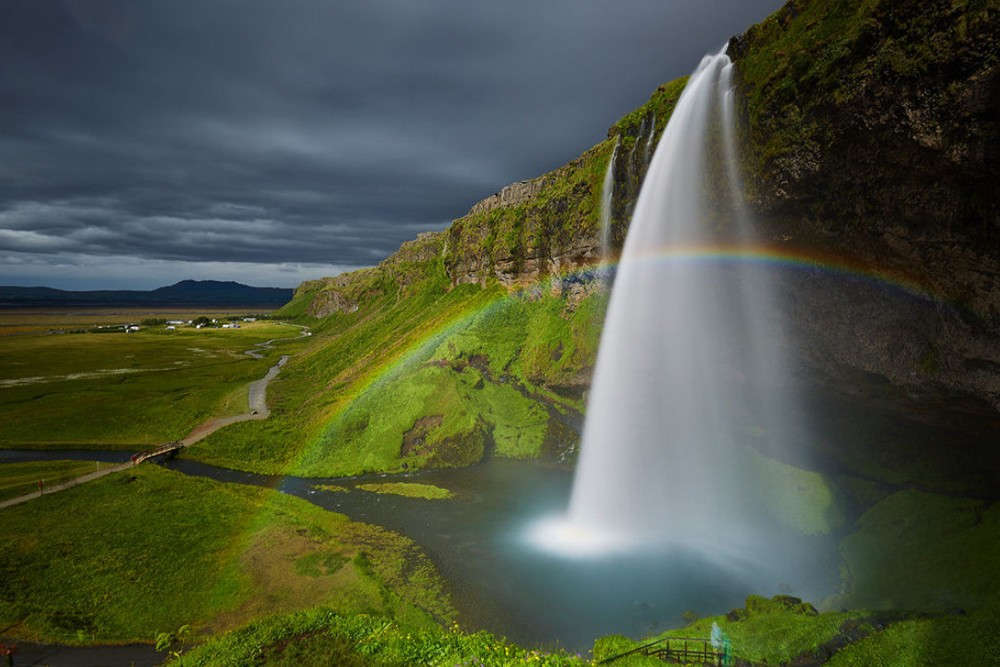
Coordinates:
(870, 139)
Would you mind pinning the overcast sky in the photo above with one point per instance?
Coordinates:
(144, 142)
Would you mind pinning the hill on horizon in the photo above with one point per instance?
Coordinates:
(181, 293)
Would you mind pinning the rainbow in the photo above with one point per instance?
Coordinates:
(422, 344)
(789, 257)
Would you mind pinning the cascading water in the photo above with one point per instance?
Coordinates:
(607, 193)
(689, 368)
(649, 140)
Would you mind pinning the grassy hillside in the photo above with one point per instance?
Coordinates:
(420, 373)
(156, 550)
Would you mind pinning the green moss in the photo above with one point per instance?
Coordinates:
(814, 58)
(661, 104)
(332, 488)
(923, 551)
(802, 500)
(408, 489)
(944, 640)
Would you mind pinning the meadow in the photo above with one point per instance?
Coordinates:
(17, 479)
(124, 390)
(20, 321)
(146, 551)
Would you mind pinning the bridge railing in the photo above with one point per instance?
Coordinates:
(679, 650)
(139, 457)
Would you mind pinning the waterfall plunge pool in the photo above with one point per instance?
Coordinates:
(482, 541)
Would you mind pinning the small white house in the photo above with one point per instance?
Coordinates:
(226, 326)
(133, 328)
(171, 327)
(249, 319)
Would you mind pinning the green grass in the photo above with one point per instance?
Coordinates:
(420, 375)
(943, 640)
(323, 637)
(17, 479)
(121, 390)
(331, 488)
(149, 550)
(775, 631)
(408, 489)
(923, 551)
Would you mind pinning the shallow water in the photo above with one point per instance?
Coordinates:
(500, 580)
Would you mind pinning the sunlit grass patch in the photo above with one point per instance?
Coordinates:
(149, 550)
(408, 489)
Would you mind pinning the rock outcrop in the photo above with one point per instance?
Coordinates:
(872, 133)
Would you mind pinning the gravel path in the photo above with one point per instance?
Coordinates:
(257, 398)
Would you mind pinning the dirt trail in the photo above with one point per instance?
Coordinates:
(256, 397)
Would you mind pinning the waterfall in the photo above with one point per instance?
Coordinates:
(649, 140)
(688, 370)
(607, 194)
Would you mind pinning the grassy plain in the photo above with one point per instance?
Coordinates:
(150, 550)
(19, 321)
(17, 479)
(117, 390)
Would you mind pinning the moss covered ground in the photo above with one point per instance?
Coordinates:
(117, 390)
(408, 489)
(149, 550)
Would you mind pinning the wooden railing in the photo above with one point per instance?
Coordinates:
(678, 650)
(159, 451)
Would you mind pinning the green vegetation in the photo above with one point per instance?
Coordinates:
(123, 390)
(408, 489)
(923, 551)
(661, 104)
(774, 631)
(332, 488)
(323, 637)
(813, 58)
(17, 479)
(941, 640)
(418, 375)
(156, 550)
(802, 500)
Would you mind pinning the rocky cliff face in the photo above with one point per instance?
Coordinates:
(871, 133)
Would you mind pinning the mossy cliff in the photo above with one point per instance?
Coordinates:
(870, 134)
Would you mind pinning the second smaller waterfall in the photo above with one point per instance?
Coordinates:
(607, 195)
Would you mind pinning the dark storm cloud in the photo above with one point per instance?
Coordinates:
(290, 139)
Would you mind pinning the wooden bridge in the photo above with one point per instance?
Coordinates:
(163, 450)
(679, 650)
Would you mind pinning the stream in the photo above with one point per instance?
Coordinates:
(499, 580)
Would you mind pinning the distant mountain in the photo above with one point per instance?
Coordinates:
(184, 293)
